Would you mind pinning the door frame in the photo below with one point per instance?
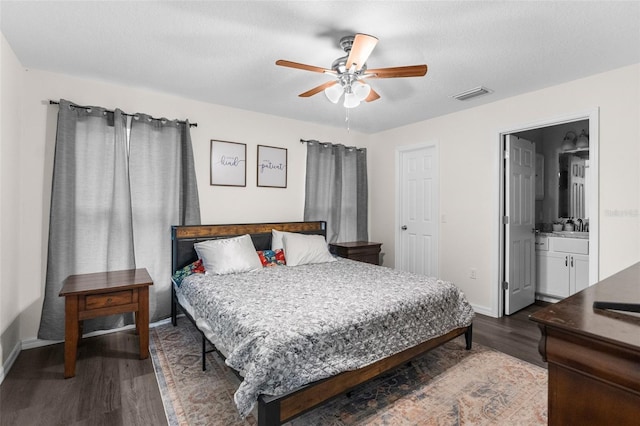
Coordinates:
(398, 200)
(593, 116)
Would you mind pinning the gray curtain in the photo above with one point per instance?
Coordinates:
(90, 226)
(336, 190)
(163, 193)
(112, 207)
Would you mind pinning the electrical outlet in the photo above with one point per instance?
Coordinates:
(473, 273)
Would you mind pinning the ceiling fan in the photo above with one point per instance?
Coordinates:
(351, 72)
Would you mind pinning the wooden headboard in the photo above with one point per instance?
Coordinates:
(184, 237)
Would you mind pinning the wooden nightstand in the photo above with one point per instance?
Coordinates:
(104, 293)
(362, 251)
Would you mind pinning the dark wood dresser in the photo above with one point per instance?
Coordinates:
(363, 251)
(594, 354)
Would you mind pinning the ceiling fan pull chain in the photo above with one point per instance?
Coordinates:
(347, 120)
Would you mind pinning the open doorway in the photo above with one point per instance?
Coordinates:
(556, 198)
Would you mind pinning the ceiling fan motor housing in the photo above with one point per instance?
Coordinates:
(340, 64)
(346, 43)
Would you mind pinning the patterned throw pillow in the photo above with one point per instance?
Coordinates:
(272, 257)
(193, 268)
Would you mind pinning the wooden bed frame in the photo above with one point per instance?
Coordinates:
(275, 410)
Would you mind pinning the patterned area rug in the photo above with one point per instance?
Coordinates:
(447, 386)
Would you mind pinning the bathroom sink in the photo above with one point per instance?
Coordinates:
(572, 234)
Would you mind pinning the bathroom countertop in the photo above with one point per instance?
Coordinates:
(565, 234)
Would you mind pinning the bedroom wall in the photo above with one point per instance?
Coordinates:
(468, 146)
(218, 204)
(467, 141)
(10, 83)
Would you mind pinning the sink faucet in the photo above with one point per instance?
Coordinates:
(579, 225)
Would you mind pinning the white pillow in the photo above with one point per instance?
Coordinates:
(229, 255)
(300, 249)
(276, 239)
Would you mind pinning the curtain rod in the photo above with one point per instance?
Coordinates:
(124, 113)
(328, 143)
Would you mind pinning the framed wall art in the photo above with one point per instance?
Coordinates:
(228, 163)
(272, 166)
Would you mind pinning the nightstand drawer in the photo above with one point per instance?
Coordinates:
(106, 300)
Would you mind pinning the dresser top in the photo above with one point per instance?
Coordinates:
(576, 313)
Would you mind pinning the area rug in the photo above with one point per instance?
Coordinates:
(447, 386)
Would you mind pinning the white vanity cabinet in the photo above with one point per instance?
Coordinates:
(562, 266)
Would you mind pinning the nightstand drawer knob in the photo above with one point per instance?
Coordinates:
(404, 227)
(117, 298)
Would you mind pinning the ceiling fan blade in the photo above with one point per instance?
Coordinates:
(373, 95)
(395, 72)
(317, 89)
(300, 66)
(363, 45)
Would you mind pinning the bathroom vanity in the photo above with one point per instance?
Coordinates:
(562, 264)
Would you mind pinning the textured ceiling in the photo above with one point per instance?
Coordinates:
(224, 52)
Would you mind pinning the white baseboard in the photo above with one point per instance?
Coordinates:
(484, 310)
(37, 343)
(34, 342)
(162, 322)
(546, 298)
(6, 366)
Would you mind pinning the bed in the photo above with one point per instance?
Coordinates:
(300, 335)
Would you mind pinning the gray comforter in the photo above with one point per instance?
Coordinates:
(284, 327)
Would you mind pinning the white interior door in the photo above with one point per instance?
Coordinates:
(418, 234)
(520, 227)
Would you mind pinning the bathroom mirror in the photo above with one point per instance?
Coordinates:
(573, 181)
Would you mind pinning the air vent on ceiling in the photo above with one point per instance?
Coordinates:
(476, 91)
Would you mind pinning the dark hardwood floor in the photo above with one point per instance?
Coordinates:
(113, 387)
(514, 335)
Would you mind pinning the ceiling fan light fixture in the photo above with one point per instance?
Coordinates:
(333, 93)
(351, 100)
(362, 90)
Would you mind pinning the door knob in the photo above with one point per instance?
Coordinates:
(404, 227)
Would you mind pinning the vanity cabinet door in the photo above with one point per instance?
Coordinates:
(579, 264)
(553, 274)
